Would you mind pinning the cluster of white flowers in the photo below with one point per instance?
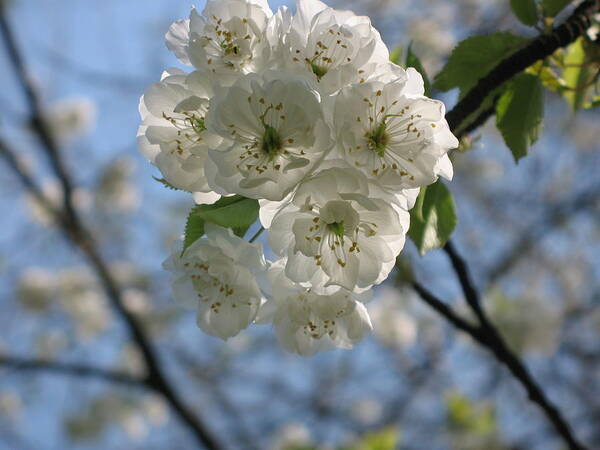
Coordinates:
(305, 113)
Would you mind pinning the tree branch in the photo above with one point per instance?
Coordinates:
(75, 370)
(538, 48)
(444, 310)
(78, 234)
(490, 337)
(485, 332)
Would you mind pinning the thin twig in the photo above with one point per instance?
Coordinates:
(491, 338)
(79, 235)
(539, 48)
(70, 369)
(257, 234)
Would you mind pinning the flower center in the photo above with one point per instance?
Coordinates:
(190, 127)
(197, 124)
(337, 228)
(378, 139)
(319, 71)
(271, 142)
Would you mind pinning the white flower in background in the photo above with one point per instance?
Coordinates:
(81, 298)
(36, 289)
(393, 321)
(392, 133)
(307, 322)
(226, 40)
(173, 134)
(116, 190)
(292, 435)
(332, 48)
(70, 118)
(277, 132)
(334, 233)
(53, 193)
(367, 411)
(219, 274)
(10, 404)
(50, 344)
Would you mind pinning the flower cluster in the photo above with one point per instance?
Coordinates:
(305, 113)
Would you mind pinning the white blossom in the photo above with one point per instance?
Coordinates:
(70, 118)
(173, 134)
(332, 48)
(334, 233)
(219, 273)
(305, 113)
(394, 322)
(228, 39)
(307, 322)
(277, 133)
(392, 132)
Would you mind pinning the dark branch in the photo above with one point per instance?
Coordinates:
(537, 49)
(78, 234)
(74, 370)
(27, 180)
(486, 333)
(479, 121)
(444, 310)
(490, 337)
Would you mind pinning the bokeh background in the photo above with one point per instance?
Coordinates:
(530, 232)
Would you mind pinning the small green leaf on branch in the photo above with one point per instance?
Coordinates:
(412, 60)
(433, 219)
(519, 113)
(526, 11)
(237, 213)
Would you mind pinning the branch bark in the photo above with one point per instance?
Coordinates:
(489, 336)
(74, 370)
(537, 49)
(77, 233)
(485, 332)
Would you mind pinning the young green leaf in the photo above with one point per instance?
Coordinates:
(519, 113)
(395, 55)
(166, 184)
(576, 74)
(553, 7)
(386, 439)
(473, 58)
(548, 77)
(433, 219)
(237, 213)
(194, 229)
(593, 103)
(413, 60)
(526, 11)
(464, 415)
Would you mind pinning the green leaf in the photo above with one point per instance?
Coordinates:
(553, 7)
(464, 415)
(473, 58)
(386, 439)
(237, 213)
(433, 219)
(576, 74)
(519, 113)
(526, 11)
(593, 103)
(168, 185)
(548, 77)
(396, 55)
(413, 60)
